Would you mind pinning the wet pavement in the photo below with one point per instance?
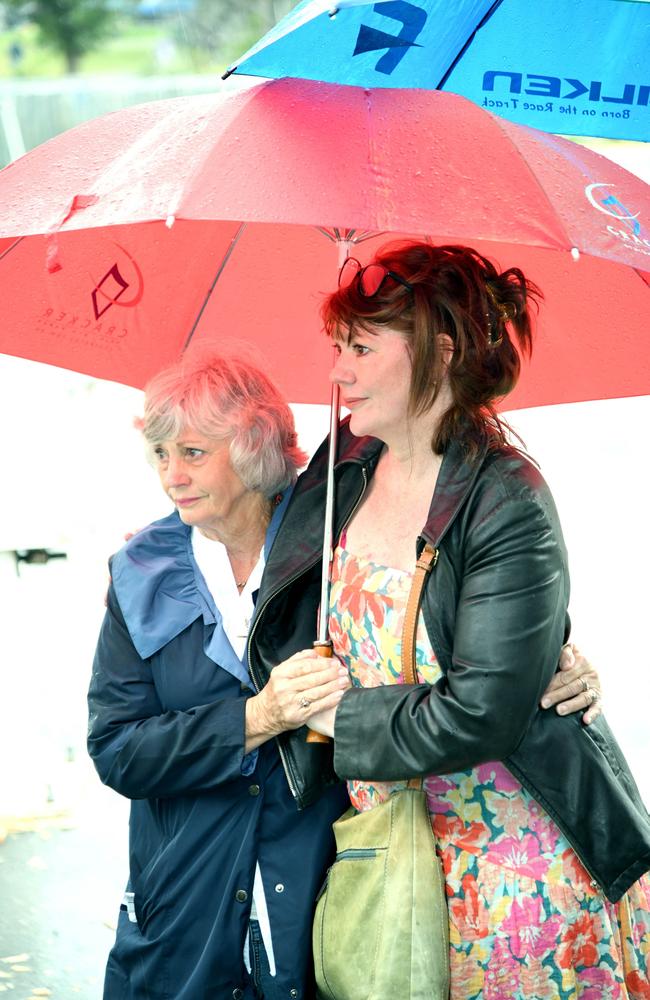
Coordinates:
(60, 890)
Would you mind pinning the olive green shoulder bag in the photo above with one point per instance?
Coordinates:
(381, 927)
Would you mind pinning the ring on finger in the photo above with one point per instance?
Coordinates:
(304, 702)
(585, 684)
(593, 695)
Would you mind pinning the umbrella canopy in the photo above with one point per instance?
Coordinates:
(128, 236)
(577, 67)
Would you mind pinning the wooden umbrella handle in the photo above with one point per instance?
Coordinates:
(322, 649)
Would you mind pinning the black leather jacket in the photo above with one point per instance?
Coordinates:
(495, 610)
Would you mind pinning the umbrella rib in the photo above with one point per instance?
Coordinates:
(326, 233)
(644, 275)
(463, 50)
(12, 247)
(369, 235)
(226, 258)
(351, 235)
(500, 122)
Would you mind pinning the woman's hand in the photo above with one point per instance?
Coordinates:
(323, 722)
(575, 686)
(298, 689)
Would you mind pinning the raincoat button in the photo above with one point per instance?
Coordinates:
(241, 896)
(293, 994)
(279, 887)
(253, 789)
(237, 994)
(594, 884)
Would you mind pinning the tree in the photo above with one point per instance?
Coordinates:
(225, 29)
(72, 27)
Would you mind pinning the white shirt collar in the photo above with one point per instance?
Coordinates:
(236, 609)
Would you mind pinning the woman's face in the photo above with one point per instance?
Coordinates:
(196, 474)
(373, 371)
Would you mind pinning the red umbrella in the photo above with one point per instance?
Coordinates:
(127, 236)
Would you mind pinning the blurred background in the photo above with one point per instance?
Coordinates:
(65, 61)
(73, 480)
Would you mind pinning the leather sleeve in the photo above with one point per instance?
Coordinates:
(139, 749)
(505, 633)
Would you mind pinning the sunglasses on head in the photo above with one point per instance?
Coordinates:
(370, 279)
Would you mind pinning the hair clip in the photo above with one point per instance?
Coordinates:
(506, 313)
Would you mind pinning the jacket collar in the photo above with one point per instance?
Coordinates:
(300, 543)
(161, 590)
(455, 480)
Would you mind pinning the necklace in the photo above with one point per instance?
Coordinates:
(240, 584)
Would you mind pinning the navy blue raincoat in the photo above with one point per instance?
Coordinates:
(167, 703)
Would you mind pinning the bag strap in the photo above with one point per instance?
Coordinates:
(425, 563)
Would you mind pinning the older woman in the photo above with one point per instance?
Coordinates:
(224, 870)
(543, 834)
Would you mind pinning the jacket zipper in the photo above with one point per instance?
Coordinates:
(288, 770)
(359, 852)
(353, 853)
(359, 498)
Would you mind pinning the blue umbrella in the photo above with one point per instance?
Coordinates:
(578, 67)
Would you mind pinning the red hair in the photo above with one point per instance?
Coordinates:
(458, 292)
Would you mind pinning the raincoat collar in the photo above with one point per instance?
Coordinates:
(161, 590)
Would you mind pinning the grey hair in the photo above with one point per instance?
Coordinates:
(227, 398)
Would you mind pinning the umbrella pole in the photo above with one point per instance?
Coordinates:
(323, 644)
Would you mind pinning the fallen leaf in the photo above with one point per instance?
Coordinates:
(5, 975)
(21, 968)
(15, 958)
(42, 991)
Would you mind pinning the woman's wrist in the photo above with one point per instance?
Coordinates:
(258, 728)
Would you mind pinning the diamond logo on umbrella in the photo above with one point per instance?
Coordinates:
(110, 289)
(110, 280)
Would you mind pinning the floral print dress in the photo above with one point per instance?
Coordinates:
(525, 920)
